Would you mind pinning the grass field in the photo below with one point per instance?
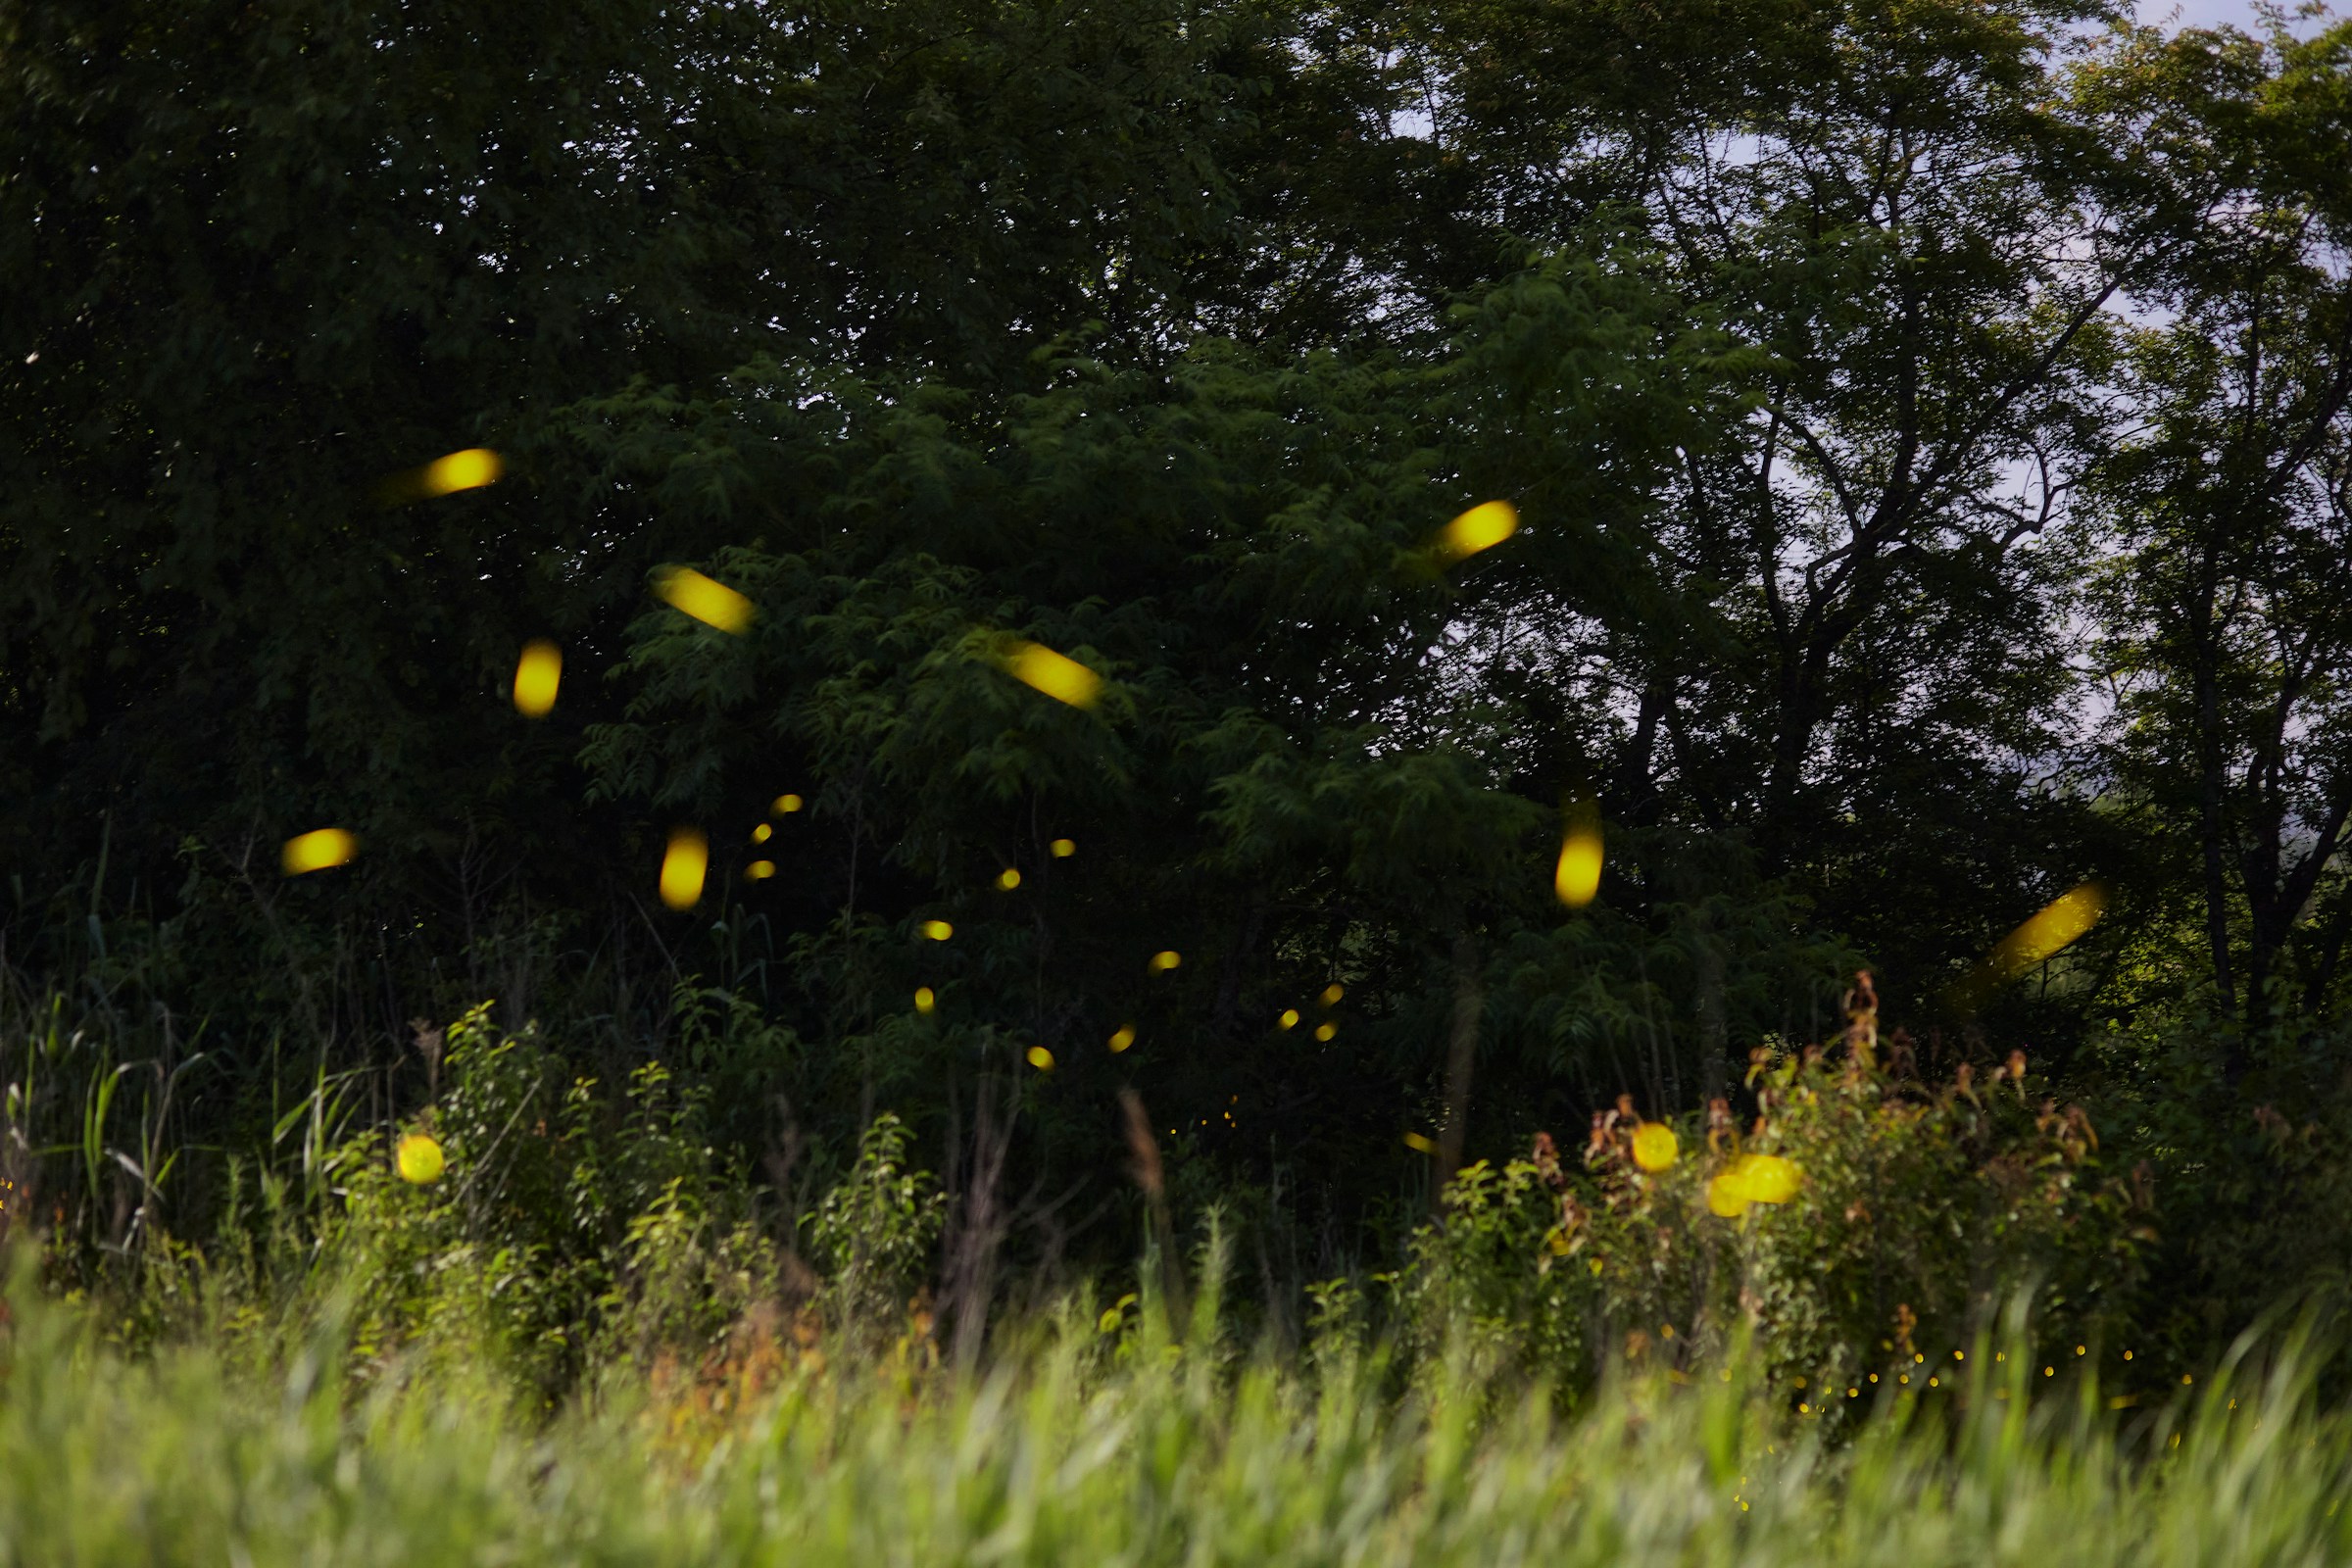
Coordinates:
(1088, 1448)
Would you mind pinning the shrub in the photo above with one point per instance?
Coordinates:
(1917, 1214)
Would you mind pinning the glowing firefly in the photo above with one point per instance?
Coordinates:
(2056, 927)
(1059, 676)
(1331, 995)
(1419, 1145)
(760, 871)
(1481, 528)
(1325, 1031)
(786, 804)
(420, 1160)
(316, 852)
(1064, 849)
(1289, 1019)
(1577, 877)
(1162, 963)
(1655, 1147)
(936, 930)
(711, 603)
(683, 865)
(1122, 1037)
(536, 674)
(924, 1001)
(1041, 1058)
(1008, 879)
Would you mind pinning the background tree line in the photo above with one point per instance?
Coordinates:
(1930, 423)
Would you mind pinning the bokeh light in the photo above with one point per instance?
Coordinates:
(316, 851)
(469, 469)
(1122, 1037)
(683, 865)
(418, 1160)
(1655, 1147)
(1330, 995)
(924, 1001)
(936, 930)
(1289, 1019)
(1162, 963)
(760, 871)
(537, 674)
(1064, 849)
(1576, 879)
(1057, 675)
(1326, 1031)
(1041, 1058)
(1481, 528)
(1008, 879)
(710, 602)
(786, 804)
(1420, 1145)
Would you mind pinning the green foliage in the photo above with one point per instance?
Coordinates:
(1921, 1214)
(1067, 1454)
(872, 1236)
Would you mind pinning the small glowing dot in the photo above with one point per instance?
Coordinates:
(1289, 1019)
(1064, 849)
(786, 804)
(2049, 1371)
(1008, 879)
(760, 871)
(2079, 1349)
(316, 851)
(1162, 963)
(1853, 1393)
(1905, 1378)
(924, 1001)
(1324, 1031)
(1874, 1377)
(1934, 1383)
(1331, 995)
(1804, 1409)
(1800, 1383)
(1917, 1356)
(707, 601)
(683, 865)
(1959, 1356)
(1041, 1058)
(936, 930)
(1423, 1146)
(763, 833)
(1122, 1037)
(2185, 1380)
(2000, 1355)
(537, 674)
(2127, 1355)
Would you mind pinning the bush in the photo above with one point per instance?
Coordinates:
(1917, 1215)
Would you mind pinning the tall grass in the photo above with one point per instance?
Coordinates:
(1088, 1448)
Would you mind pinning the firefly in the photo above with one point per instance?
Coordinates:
(786, 804)
(763, 833)
(1577, 877)
(1331, 995)
(1064, 849)
(711, 603)
(536, 674)
(1289, 1019)
(1008, 879)
(760, 871)
(1324, 1031)
(1481, 528)
(469, 469)
(420, 1160)
(1057, 675)
(683, 865)
(924, 1001)
(1654, 1146)
(1419, 1145)
(1162, 963)
(1041, 1058)
(936, 930)
(316, 851)
(1121, 1038)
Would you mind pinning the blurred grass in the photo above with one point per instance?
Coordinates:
(1086, 1447)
